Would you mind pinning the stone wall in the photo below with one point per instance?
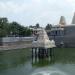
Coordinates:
(58, 39)
(68, 38)
(69, 41)
(16, 43)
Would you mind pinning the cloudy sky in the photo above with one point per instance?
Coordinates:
(30, 12)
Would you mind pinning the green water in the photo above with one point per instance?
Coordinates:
(19, 62)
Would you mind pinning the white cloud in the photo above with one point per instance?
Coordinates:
(71, 1)
(34, 11)
(36, 1)
(12, 7)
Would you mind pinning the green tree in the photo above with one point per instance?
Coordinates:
(37, 25)
(13, 28)
(48, 27)
(29, 32)
(3, 27)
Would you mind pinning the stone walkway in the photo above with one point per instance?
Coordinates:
(15, 47)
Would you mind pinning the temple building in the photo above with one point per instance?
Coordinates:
(73, 21)
(62, 21)
(42, 47)
(63, 34)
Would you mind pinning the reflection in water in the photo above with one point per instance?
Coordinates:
(42, 62)
(48, 71)
(42, 58)
(61, 55)
(13, 58)
(18, 62)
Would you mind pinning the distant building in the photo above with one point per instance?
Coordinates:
(63, 34)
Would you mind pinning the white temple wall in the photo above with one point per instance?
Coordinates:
(68, 38)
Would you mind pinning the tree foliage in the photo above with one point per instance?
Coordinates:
(48, 27)
(3, 26)
(37, 25)
(12, 29)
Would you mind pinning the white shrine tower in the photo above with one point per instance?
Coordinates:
(42, 46)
